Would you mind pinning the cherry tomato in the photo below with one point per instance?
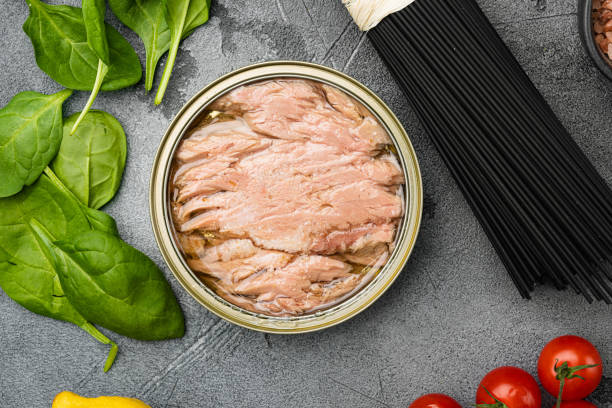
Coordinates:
(568, 358)
(577, 404)
(435, 401)
(510, 386)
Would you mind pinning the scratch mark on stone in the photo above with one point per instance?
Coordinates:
(236, 341)
(309, 15)
(171, 393)
(380, 385)
(331, 47)
(315, 25)
(231, 342)
(204, 328)
(219, 333)
(354, 53)
(359, 392)
(87, 376)
(281, 10)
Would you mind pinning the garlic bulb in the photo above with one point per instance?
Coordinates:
(368, 13)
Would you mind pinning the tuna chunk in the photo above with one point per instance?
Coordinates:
(344, 104)
(374, 254)
(277, 206)
(354, 239)
(299, 110)
(291, 283)
(235, 260)
(281, 203)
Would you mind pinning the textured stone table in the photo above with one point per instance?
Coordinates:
(450, 317)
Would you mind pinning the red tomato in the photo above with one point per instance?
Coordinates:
(435, 401)
(577, 404)
(570, 354)
(511, 386)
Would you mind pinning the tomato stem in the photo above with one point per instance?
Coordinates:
(564, 371)
(497, 404)
(559, 399)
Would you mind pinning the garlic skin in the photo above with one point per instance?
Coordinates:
(368, 13)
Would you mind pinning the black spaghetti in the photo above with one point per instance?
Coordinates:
(546, 210)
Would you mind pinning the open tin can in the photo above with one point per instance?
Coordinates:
(163, 226)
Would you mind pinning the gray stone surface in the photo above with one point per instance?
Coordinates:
(451, 316)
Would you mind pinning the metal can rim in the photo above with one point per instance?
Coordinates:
(347, 308)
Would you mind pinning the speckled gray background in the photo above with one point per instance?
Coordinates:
(450, 317)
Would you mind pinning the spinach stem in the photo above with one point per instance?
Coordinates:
(96, 334)
(58, 183)
(177, 33)
(102, 71)
(149, 72)
(167, 71)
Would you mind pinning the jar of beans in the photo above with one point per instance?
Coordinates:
(602, 25)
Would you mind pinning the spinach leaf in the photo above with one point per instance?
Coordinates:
(61, 214)
(59, 37)
(98, 220)
(95, 28)
(29, 221)
(90, 162)
(182, 16)
(30, 135)
(118, 287)
(146, 18)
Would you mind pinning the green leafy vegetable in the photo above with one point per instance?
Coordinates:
(101, 73)
(118, 287)
(97, 219)
(59, 37)
(146, 18)
(95, 28)
(30, 134)
(29, 221)
(182, 16)
(90, 162)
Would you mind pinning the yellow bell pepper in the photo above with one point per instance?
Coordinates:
(67, 399)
